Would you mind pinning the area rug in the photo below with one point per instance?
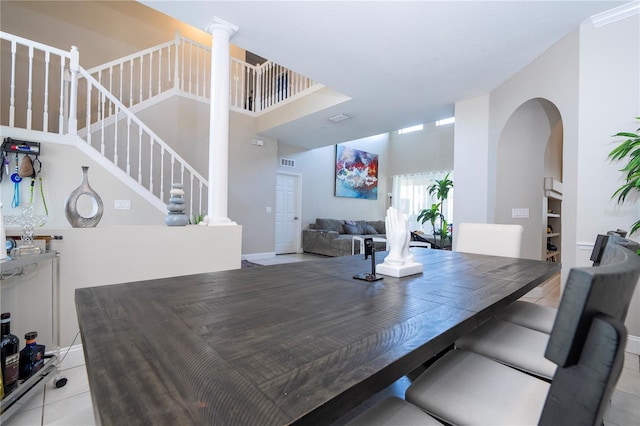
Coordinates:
(247, 264)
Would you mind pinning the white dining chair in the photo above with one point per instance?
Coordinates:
(489, 238)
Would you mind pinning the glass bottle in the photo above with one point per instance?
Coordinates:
(31, 356)
(9, 355)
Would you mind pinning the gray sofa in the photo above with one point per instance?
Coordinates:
(333, 237)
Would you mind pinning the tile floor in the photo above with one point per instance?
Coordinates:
(71, 404)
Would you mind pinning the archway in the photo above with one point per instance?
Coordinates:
(529, 149)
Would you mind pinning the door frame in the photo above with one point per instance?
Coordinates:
(298, 212)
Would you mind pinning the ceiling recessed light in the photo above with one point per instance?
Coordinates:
(339, 117)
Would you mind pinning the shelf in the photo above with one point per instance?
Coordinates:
(7, 265)
(553, 215)
(34, 383)
(10, 268)
(553, 234)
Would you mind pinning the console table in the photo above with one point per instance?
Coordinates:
(295, 343)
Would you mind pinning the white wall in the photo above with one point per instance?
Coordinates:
(591, 76)
(427, 150)
(119, 254)
(471, 162)
(318, 181)
(609, 101)
(62, 173)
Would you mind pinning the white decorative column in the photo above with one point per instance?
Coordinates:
(221, 32)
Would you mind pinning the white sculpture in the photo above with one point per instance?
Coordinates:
(400, 262)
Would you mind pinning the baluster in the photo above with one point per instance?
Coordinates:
(62, 92)
(128, 145)
(182, 63)
(173, 161)
(162, 173)
(160, 71)
(151, 164)
(150, 74)
(120, 95)
(102, 121)
(30, 88)
(190, 65)
(197, 71)
(200, 197)
(130, 82)
(110, 91)
(12, 96)
(45, 114)
(176, 76)
(88, 113)
(191, 195)
(115, 137)
(74, 67)
(139, 154)
(140, 83)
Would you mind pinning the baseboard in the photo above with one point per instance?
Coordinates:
(71, 357)
(633, 345)
(256, 256)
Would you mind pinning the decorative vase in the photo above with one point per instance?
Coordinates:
(71, 205)
(176, 216)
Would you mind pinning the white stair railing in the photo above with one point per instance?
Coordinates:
(185, 65)
(45, 89)
(44, 95)
(30, 68)
(124, 139)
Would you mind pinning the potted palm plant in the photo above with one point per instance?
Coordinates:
(630, 148)
(440, 191)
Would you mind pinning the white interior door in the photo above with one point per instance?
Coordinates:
(287, 213)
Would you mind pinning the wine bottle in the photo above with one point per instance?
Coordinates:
(9, 355)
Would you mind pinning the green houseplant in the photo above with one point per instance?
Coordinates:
(440, 191)
(630, 150)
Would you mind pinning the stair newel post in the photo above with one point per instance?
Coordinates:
(176, 67)
(74, 68)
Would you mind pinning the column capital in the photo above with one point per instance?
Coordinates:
(220, 24)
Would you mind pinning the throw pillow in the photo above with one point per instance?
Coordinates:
(351, 229)
(370, 230)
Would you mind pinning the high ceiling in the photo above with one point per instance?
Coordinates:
(400, 62)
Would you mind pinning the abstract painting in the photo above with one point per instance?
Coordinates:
(356, 173)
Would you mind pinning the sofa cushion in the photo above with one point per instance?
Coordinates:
(330, 225)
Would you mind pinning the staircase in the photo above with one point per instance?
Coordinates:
(95, 110)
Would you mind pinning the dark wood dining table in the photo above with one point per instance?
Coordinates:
(293, 343)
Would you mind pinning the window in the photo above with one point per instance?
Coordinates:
(409, 195)
(410, 129)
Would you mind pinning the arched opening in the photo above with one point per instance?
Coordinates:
(529, 149)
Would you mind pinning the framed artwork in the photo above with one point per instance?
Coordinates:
(356, 173)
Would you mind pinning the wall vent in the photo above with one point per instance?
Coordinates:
(286, 162)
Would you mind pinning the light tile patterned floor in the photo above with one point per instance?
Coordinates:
(71, 404)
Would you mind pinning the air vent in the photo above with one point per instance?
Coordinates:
(286, 162)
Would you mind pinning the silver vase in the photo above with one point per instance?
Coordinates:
(71, 209)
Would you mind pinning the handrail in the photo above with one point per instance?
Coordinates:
(125, 121)
(100, 107)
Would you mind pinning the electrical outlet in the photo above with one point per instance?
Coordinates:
(123, 205)
(521, 213)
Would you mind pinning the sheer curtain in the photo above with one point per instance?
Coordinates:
(409, 195)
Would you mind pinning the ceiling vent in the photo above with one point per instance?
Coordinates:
(339, 117)
(286, 162)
